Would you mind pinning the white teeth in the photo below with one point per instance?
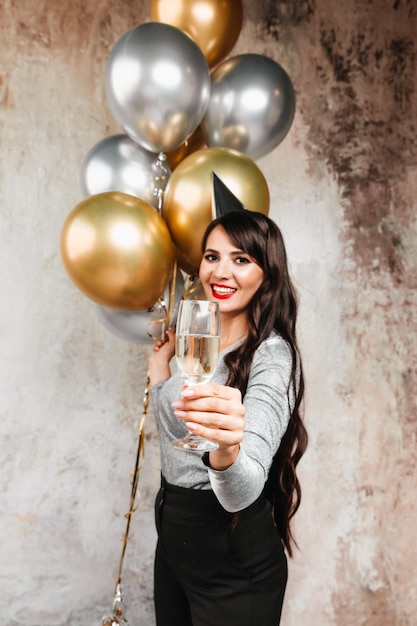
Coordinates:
(224, 290)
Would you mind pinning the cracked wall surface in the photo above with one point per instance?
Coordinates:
(343, 186)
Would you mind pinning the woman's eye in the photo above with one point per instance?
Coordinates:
(241, 260)
(210, 257)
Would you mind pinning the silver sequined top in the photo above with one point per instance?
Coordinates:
(266, 418)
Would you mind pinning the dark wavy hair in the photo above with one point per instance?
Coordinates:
(273, 308)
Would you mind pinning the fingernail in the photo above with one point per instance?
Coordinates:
(180, 413)
(177, 404)
(187, 392)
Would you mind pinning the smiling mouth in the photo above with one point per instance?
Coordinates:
(223, 292)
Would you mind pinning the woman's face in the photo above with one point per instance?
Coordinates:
(228, 275)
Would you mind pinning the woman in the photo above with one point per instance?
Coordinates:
(223, 518)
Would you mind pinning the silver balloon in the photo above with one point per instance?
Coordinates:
(136, 327)
(117, 163)
(157, 85)
(143, 327)
(252, 105)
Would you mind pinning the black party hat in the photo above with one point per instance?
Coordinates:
(224, 201)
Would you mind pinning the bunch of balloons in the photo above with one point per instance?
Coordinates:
(185, 110)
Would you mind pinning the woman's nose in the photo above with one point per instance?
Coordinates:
(222, 269)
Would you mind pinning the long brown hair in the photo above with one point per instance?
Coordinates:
(273, 308)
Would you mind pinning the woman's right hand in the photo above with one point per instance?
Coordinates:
(162, 353)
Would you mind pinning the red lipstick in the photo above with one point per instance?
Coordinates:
(222, 292)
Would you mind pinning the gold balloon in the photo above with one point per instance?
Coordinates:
(214, 25)
(189, 267)
(118, 251)
(188, 197)
(192, 144)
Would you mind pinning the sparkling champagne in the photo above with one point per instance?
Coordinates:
(197, 356)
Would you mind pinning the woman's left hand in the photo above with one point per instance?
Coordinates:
(215, 412)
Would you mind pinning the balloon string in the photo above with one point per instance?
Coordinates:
(160, 180)
(140, 454)
(191, 286)
(166, 312)
(161, 320)
(171, 303)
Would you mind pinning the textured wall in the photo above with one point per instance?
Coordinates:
(343, 186)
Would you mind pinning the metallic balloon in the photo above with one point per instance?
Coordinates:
(188, 262)
(135, 327)
(252, 105)
(214, 25)
(143, 327)
(157, 85)
(117, 250)
(188, 197)
(117, 163)
(192, 144)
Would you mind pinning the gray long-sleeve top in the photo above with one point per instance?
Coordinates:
(266, 418)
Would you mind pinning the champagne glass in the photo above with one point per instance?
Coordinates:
(197, 347)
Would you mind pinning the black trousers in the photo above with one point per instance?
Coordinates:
(209, 573)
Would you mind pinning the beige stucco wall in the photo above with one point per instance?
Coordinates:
(343, 186)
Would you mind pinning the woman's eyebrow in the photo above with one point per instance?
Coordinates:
(233, 252)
